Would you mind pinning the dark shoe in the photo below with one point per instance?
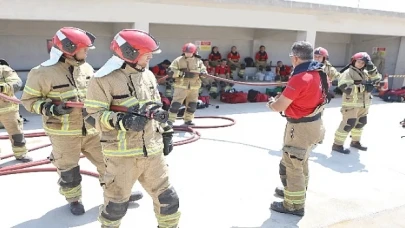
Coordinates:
(340, 149)
(279, 191)
(77, 208)
(24, 159)
(279, 207)
(135, 196)
(189, 123)
(358, 146)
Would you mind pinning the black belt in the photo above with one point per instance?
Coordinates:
(305, 119)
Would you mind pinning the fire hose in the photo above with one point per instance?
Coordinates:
(26, 167)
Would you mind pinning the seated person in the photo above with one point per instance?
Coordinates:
(215, 57)
(283, 71)
(260, 74)
(233, 58)
(269, 75)
(160, 71)
(261, 57)
(223, 71)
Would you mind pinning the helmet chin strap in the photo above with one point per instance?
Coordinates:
(135, 66)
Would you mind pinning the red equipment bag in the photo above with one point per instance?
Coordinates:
(261, 97)
(233, 98)
(204, 99)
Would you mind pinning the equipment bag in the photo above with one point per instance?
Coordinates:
(234, 98)
(261, 97)
(252, 95)
(203, 102)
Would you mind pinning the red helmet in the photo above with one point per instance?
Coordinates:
(70, 40)
(130, 44)
(361, 56)
(190, 48)
(321, 51)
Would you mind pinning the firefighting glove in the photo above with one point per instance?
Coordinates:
(369, 87)
(131, 122)
(170, 74)
(51, 109)
(167, 140)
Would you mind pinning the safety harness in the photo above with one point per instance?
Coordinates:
(317, 113)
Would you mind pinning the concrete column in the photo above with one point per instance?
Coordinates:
(141, 25)
(309, 35)
(399, 67)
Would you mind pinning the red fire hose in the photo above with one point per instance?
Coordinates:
(25, 167)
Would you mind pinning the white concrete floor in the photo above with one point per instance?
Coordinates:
(227, 178)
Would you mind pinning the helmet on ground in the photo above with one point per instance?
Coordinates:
(190, 48)
(361, 56)
(70, 40)
(131, 44)
(321, 51)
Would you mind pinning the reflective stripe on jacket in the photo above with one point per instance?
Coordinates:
(125, 87)
(64, 81)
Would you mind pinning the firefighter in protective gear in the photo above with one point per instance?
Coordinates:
(186, 71)
(378, 58)
(9, 112)
(357, 80)
(322, 55)
(64, 77)
(133, 145)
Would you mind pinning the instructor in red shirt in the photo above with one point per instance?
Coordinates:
(302, 101)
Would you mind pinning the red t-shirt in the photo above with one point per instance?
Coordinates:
(305, 90)
(261, 56)
(211, 70)
(221, 70)
(215, 57)
(234, 57)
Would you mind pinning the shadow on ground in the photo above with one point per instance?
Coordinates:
(278, 220)
(62, 215)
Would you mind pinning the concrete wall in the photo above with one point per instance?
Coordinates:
(23, 43)
(366, 43)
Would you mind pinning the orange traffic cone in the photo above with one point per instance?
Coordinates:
(384, 86)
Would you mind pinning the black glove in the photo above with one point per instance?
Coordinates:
(335, 82)
(167, 140)
(370, 66)
(369, 87)
(50, 109)
(170, 73)
(131, 122)
(329, 97)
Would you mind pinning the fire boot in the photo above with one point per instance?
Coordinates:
(24, 159)
(279, 191)
(358, 146)
(135, 196)
(189, 123)
(279, 207)
(77, 208)
(340, 149)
